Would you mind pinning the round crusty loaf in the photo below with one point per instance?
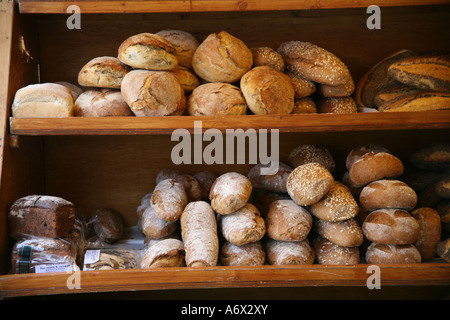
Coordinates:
(216, 98)
(302, 87)
(387, 193)
(169, 199)
(101, 103)
(74, 90)
(43, 100)
(164, 254)
(332, 254)
(336, 205)
(378, 253)
(199, 234)
(243, 226)
(230, 192)
(391, 226)
(184, 44)
(430, 232)
(336, 105)
(314, 63)
(222, 57)
(267, 91)
(373, 166)
(343, 90)
(191, 185)
(357, 152)
(288, 221)
(308, 183)
(304, 105)
(289, 252)
(250, 254)
(345, 233)
(435, 157)
(205, 180)
(148, 51)
(153, 227)
(153, 93)
(307, 153)
(270, 182)
(187, 79)
(265, 56)
(103, 72)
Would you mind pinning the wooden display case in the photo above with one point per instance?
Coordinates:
(113, 161)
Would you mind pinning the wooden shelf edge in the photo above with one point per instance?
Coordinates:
(282, 123)
(425, 274)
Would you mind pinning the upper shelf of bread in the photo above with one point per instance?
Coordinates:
(138, 6)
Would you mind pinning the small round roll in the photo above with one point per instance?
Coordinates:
(287, 221)
(430, 232)
(387, 193)
(267, 91)
(378, 253)
(164, 254)
(289, 252)
(336, 105)
(250, 254)
(270, 182)
(230, 192)
(391, 226)
(187, 79)
(101, 103)
(153, 227)
(265, 56)
(308, 183)
(103, 72)
(169, 200)
(346, 233)
(184, 44)
(307, 153)
(329, 253)
(304, 105)
(243, 226)
(199, 234)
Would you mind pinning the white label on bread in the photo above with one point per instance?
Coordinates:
(91, 256)
(55, 267)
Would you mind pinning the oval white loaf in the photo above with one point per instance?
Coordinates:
(289, 252)
(230, 192)
(378, 253)
(169, 199)
(250, 254)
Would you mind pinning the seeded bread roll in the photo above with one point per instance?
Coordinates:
(169, 199)
(430, 232)
(307, 153)
(41, 216)
(267, 91)
(101, 103)
(270, 182)
(187, 79)
(345, 233)
(148, 51)
(289, 252)
(265, 56)
(199, 234)
(308, 183)
(391, 226)
(153, 227)
(243, 226)
(184, 44)
(250, 254)
(153, 93)
(205, 180)
(304, 105)
(74, 90)
(387, 193)
(216, 98)
(108, 224)
(336, 105)
(302, 87)
(336, 205)
(191, 185)
(378, 253)
(288, 221)
(332, 254)
(43, 100)
(314, 63)
(373, 166)
(222, 57)
(434, 157)
(343, 90)
(230, 192)
(103, 72)
(357, 152)
(164, 254)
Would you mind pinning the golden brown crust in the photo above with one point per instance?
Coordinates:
(387, 193)
(265, 56)
(103, 72)
(304, 105)
(302, 87)
(430, 232)
(346, 233)
(275, 182)
(336, 105)
(184, 44)
(329, 253)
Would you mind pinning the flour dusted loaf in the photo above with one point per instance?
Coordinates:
(243, 226)
(184, 44)
(191, 185)
(387, 193)
(230, 192)
(359, 151)
(103, 72)
(266, 56)
(308, 183)
(108, 224)
(289, 252)
(250, 254)
(41, 216)
(101, 103)
(199, 234)
(153, 227)
(169, 200)
(330, 253)
(148, 51)
(164, 254)
(378, 253)
(221, 57)
(43, 100)
(153, 93)
(430, 232)
(270, 182)
(345, 233)
(267, 91)
(307, 153)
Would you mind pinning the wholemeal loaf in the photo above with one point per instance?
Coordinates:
(250, 254)
(307, 153)
(191, 185)
(101, 103)
(336, 105)
(230, 192)
(345, 233)
(270, 182)
(164, 254)
(262, 199)
(153, 227)
(169, 200)
(184, 44)
(387, 193)
(266, 56)
(103, 72)
(430, 232)
(329, 253)
(289, 252)
(378, 253)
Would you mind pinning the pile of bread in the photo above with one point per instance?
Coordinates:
(172, 73)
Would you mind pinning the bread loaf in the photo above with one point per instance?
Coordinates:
(387, 193)
(343, 90)
(288, 221)
(434, 157)
(222, 57)
(420, 101)
(164, 254)
(302, 87)
(289, 252)
(388, 96)
(184, 44)
(336, 105)
(391, 226)
(304, 105)
(262, 200)
(41, 216)
(443, 249)
(378, 253)
(267, 91)
(345, 233)
(307, 153)
(43, 100)
(230, 192)
(153, 93)
(103, 72)
(153, 227)
(148, 51)
(101, 103)
(169, 200)
(265, 56)
(443, 208)
(108, 224)
(205, 180)
(187, 79)
(114, 259)
(442, 188)
(191, 185)
(274, 182)
(430, 232)
(332, 254)
(250, 254)
(199, 233)
(357, 152)
(74, 90)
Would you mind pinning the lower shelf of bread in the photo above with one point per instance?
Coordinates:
(424, 274)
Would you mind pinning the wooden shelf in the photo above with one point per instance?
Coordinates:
(284, 123)
(43, 6)
(424, 274)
